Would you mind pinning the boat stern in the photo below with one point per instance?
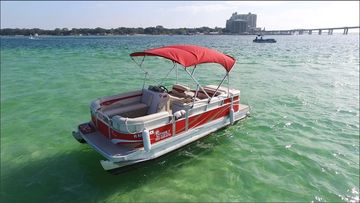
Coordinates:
(78, 137)
(84, 128)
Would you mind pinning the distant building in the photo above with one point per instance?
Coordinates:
(241, 23)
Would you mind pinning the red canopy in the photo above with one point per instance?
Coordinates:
(190, 55)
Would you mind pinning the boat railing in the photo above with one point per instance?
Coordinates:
(122, 98)
(198, 106)
(102, 116)
(138, 124)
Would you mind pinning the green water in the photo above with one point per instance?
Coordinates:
(301, 142)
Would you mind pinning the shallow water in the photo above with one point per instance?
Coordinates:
(301, 142)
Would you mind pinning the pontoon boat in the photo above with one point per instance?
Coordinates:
(141, 125)
(261, 40)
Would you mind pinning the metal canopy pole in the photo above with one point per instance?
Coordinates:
(139, 64)
(193, 71)
(228, 84)
(145, 72)
(192, 77)
(197, 90)
(176, 73)
(219, 86)
(144, 79)
(168, 73)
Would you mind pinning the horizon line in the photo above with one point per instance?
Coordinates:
(325, 28)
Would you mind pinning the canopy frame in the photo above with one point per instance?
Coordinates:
(199, 86)
(190, 55)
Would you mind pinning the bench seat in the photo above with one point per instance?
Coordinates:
(131, 110)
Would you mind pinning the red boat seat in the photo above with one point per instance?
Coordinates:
(180, 88)
(181, 91)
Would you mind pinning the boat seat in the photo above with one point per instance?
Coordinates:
(180, 88)
(131, 110)
(181, 91)
(201, 95)
(212, 88)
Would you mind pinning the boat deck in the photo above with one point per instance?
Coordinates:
(118, 153)
(105, 146)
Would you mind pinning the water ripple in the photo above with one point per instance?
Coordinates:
(300, 144)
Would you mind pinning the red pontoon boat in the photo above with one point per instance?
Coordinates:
(141, 125)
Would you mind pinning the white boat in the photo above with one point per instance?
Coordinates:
(35, 36)
(144, 124)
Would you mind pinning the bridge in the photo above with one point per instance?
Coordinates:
(308, 31)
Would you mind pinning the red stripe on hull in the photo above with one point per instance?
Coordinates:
(165, 131)
(228, 100)
(206, 117)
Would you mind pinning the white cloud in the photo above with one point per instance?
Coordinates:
(206, 6)
(201, 8)
(254, 3)
(324, 14)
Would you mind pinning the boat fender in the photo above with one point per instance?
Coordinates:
(179, 114)
(146, 140)
(232, 116)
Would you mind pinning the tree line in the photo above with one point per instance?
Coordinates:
(158, 30)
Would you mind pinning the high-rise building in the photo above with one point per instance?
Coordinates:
(241, 23)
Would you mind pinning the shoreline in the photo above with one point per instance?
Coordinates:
(139, 35)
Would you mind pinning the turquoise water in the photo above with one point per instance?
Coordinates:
(301, 142)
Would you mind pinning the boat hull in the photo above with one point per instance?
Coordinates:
(119, 156)
(265, 41)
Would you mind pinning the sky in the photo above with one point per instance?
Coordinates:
(176, 14)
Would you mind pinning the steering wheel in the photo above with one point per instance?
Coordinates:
(163, 88)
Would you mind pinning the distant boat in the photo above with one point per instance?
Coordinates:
(35, 36)
(261, 40)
